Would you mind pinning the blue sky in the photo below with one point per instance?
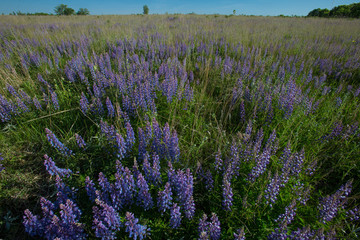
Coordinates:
(249, 7)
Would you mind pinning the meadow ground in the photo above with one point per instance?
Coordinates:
(179, 127)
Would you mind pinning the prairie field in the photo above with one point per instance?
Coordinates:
(179, 127)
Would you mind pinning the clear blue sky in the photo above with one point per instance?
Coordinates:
(248, 7)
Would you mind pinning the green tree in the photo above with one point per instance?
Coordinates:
(145, 9)
(83, 11)
(60, 9)
(234, 12)
(63, 9)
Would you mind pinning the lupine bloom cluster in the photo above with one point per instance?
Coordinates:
(135, 229)
(330, 205)
(162, 141)
(52, 169)
(51, 226)
(182, 183)
(55, 142)
(210, 229)
(121, 145)
(106, 221)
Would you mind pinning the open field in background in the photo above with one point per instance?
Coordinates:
(253, 121)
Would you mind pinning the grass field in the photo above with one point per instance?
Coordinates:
(179, 127)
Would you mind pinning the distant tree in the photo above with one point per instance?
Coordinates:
(145, 9)
(60, 9)
(63, 9)
(69, 11)
(83, 11)
(234, 12)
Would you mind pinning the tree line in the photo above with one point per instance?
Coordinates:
(349, 11)
(61, 9)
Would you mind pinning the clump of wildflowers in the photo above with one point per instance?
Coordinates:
(135, 229)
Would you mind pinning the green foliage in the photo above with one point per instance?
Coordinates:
(83, 11)
(145, 9)
(63, 9)
(352, 10)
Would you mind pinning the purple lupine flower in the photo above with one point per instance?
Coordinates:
(12, 91)
(297, 163)
(33, 225)
(240, 234)
(84, 103)
(52, 169)
(186, 185)
(144, 197)
(106, 188)
(284, 220)
(37, 104)
(261, 163)
(120, 144)
(80, 141)
(146, 167)
(155, 170)
(22, 105)
(218, 161)
(227, 193)
(55, 101)
(330, 205)
(173, 147)
(110, 107)
(108, 130)
(53, 227)
(353, 214)
(90, 189)
(166, 140)
(164, 198)
(304, 233)
(97, 106)
(135, 229)
(203, 226)
(54, 141)
(25, 97)
(70, 226)
(175, 216)
(272, 190)
(214, 227)
(242, 112)
(106, 221)
(130, 136)
(125, 186)
(209, 181)
(63, 191)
